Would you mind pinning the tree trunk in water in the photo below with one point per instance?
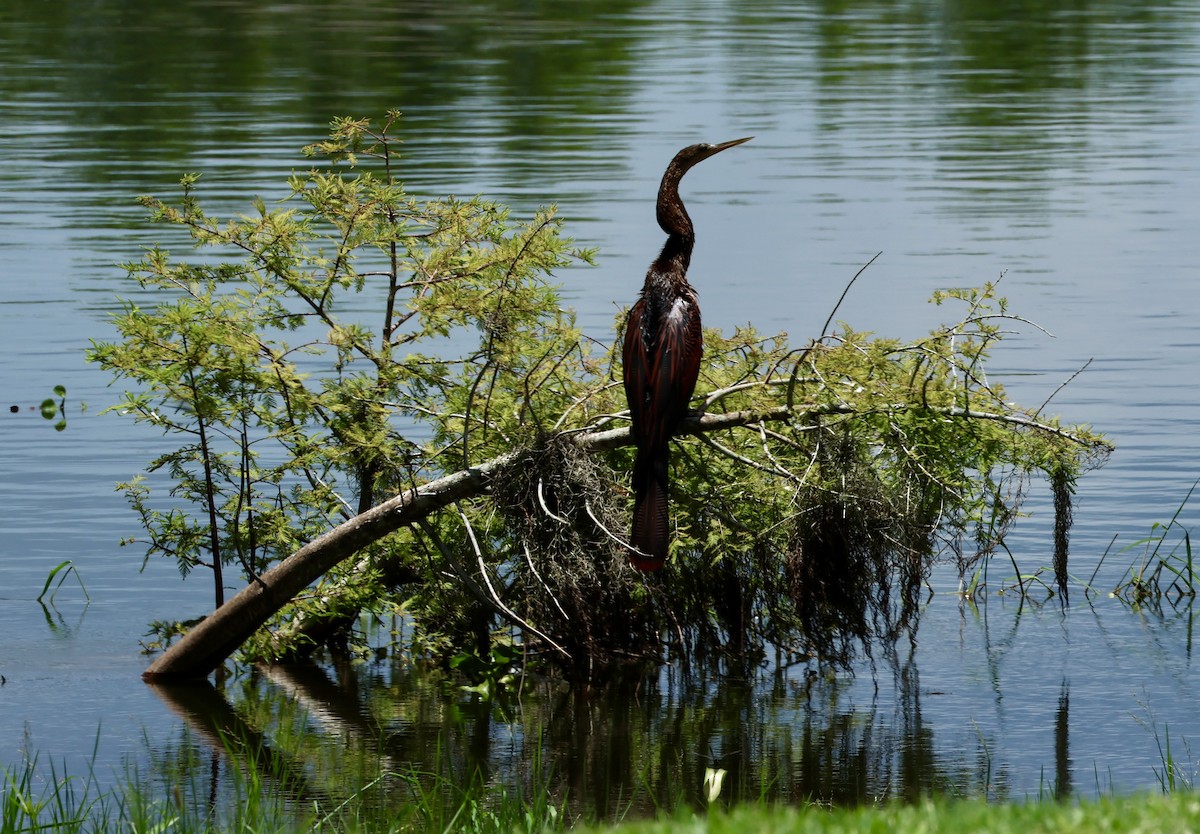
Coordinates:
(216, 637)
(211, 641)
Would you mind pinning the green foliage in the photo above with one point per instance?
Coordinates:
(316, 357)
(294, 411)
(895, 454)
(491, 676)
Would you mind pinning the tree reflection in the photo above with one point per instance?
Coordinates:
(635, 747)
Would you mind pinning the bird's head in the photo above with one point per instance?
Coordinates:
(692, 154)
(672, 216)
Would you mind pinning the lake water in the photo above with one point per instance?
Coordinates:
(964, 139)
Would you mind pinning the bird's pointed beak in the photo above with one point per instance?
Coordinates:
(730, 144)
(711, 150)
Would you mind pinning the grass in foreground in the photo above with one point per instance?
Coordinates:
(1140, 813)
(63, 804)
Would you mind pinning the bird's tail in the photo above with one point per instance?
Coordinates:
(651, 517)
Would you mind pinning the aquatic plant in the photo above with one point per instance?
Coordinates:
(385, 396)
(1165, 571)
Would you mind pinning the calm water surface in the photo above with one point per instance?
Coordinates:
(965, 140)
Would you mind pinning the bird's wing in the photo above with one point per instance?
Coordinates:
(636, 369)
(674, 367)
(660, 373)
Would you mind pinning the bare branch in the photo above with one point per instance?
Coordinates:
(1064, 384)
(825, 329)
(508, 613)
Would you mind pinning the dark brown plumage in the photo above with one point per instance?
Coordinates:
(661, 354)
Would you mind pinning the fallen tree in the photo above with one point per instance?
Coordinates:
(210, 642)
(815, 486)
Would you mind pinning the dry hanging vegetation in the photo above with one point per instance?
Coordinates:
(384, 409)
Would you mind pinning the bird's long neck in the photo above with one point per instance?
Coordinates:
(676, 253)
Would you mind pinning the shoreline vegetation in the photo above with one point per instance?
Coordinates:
(63, 803)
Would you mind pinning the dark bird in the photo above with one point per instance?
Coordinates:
(663, 343)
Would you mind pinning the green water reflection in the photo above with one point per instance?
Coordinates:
(173, 81)
(153, 66)
(325, 732)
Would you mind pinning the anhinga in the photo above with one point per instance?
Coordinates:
(663, 343)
